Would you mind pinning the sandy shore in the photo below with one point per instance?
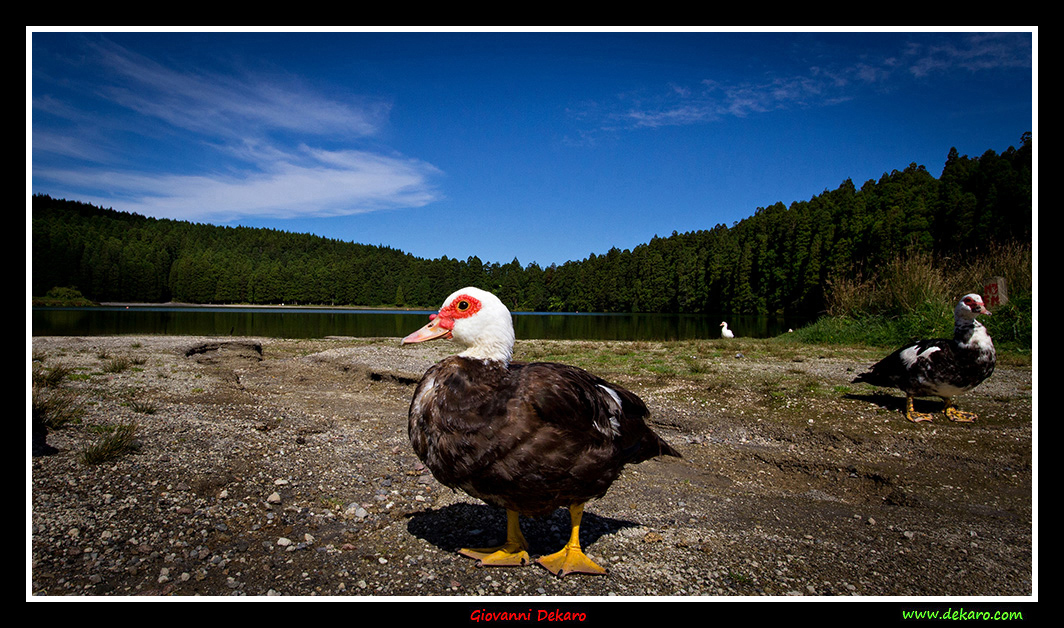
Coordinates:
(282, 467)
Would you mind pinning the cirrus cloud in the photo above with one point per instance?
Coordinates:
(211, 144)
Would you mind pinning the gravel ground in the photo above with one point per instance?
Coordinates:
(281, 467)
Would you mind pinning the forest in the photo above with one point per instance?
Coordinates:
(780, 260)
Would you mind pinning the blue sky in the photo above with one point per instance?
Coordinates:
(540, 146)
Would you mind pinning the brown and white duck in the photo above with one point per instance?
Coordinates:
(526, 437)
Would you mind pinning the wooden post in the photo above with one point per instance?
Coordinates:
(994, 292)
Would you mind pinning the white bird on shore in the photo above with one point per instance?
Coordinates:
(725, 332)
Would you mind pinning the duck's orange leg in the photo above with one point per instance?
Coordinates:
(512, 553)
(958, 415)
(913, 415)
(571, 559)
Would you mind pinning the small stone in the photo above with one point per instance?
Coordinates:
(274, 498)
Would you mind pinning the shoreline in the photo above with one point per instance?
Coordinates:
(175, 304)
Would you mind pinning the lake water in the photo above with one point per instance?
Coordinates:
(308, 322)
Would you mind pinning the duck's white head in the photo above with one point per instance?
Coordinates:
(476, 319)
(970, 306)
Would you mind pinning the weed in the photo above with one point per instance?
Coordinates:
(913, 297)
(116, 365)
(120, 441)
(142, 407)
(50, 377)
(55, 408)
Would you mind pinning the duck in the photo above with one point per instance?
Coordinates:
(725, 332)
(940, 367)
(528, 438)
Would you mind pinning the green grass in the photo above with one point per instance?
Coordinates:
(142, 407)
(50, 377)
(55, 408)
(121, 363)
(117, 441)
(913, 298)
(1010, 332)
(50, 404)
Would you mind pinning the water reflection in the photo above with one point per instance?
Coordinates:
(321, 322)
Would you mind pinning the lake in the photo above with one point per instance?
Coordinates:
(309, 322)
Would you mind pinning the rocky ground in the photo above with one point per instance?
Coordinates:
(282, 467)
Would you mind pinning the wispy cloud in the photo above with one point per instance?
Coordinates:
(714, 99)
(974, 53)
(322, 183)
(259, 142)
(229, 103)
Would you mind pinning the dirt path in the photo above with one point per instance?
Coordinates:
(282, 467)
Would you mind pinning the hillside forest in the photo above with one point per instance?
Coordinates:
(780, 260)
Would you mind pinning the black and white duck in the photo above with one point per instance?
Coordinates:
(939, 367)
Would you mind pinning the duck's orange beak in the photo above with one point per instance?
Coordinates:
(438, 327)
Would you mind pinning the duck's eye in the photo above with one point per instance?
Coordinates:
(462, 305)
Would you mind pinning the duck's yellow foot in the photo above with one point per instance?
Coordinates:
(960, 415)
(512, 553)
(570, 560)
(913, 415)
(503, 556)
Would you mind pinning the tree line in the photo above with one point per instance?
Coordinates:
(780, 260)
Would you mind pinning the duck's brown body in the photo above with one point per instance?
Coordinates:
(525, 437)
(529, 438)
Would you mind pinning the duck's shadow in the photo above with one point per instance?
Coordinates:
(455, 526)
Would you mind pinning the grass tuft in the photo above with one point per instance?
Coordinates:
(55, 408)
(119, 441)
(117, 365)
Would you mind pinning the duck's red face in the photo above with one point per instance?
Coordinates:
(975, 304)
(462, 306)
(442, 324)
